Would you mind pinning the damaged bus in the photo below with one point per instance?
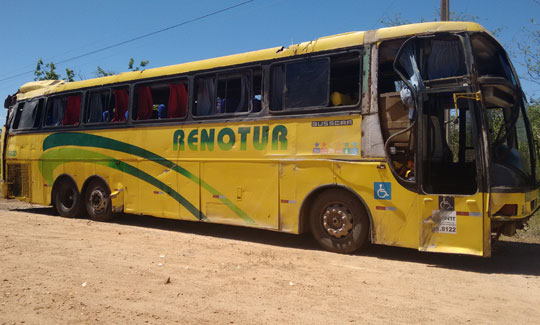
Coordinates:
(414, 136)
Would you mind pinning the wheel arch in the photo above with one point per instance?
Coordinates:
(90, 179)
(303, 224)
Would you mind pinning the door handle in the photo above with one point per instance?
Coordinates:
(471, 201)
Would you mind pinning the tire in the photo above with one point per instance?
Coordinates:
(339, 222)
(97, 199)
(67, 199)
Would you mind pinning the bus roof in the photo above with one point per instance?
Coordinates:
(345, 40)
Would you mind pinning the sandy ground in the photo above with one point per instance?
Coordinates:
(147, 270)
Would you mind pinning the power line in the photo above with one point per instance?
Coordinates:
(139, 37)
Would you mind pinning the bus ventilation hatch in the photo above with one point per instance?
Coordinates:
(18, 181)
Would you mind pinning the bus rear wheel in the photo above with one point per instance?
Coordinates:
(97, 199)
(339, 222)
(67, 199)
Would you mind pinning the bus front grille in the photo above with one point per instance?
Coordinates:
(18, 181)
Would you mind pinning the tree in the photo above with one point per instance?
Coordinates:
(49, 72)
(531, 52)
(143, 64)
(100, 72)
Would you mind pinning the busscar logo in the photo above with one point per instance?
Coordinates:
(331, 123)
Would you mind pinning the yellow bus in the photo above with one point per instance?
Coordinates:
(414, 136)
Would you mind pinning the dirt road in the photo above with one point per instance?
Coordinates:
(146, 270)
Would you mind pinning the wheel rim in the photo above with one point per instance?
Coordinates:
(337, 220)
(98, 200)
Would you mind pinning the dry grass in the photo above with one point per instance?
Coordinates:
(532, 233)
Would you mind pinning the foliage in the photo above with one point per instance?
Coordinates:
(397, 19)
(143, 64)
(531, 52)
(49, 72)
(100, 72)
(45, 73)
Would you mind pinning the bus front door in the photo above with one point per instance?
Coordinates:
(450, 172)
(449, 162)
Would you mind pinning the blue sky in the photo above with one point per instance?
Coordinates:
(58, 30)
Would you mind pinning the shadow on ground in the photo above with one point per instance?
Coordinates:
(508, 257)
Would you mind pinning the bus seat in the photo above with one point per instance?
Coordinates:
(121, 102)
(177, 105)
(73, 110)
(162, 111)
(256, 104)
(339, 99)
(144, 103)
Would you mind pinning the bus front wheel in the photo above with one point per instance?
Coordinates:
(97, 199)
(67, 199)
(339, 221)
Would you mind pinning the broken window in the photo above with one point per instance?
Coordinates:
(315, 83)
(228, 93)
(509, 144)
(28, 115)
(63, 110)
(490, 59)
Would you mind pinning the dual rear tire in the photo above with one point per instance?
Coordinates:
(95, 202)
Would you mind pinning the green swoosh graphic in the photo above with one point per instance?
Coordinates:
(96, 141)
(61, 156)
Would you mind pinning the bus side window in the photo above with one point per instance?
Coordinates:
(345, 79)
(97, 106)
(232, 93)
(316, 83)
(55, 111)
(161, 100)
(302, 84)
(256, 97)
(228, 93)
(28, 115)
(63, 110)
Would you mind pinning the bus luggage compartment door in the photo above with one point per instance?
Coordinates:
(240, 193)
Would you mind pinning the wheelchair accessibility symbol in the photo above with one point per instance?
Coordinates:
(382, 191)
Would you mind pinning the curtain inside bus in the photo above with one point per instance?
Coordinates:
(178, 98)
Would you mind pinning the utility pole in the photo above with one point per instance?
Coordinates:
(445, 16)
(445, 10)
